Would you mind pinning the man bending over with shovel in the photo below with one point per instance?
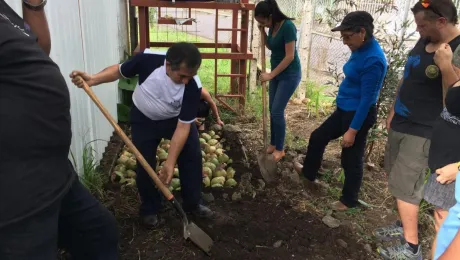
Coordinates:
(166, 103)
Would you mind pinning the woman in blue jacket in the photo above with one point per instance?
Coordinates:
(285, 72)
(356, 109)
(446, 245)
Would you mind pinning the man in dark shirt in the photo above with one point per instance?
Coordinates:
(419, 102)
(42, 202)
(166, 103)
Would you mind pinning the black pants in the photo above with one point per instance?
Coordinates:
(352, 158)
(147, 135)
(77, 223)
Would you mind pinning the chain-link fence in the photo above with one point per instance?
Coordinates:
(328, 54)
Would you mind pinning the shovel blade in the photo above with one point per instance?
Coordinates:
(267, 167)
(198, 237)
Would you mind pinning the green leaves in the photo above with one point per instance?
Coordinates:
(128, 84)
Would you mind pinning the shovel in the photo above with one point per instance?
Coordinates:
(267, 164)
(191, 231)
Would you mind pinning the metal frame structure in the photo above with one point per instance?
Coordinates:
(239, 52)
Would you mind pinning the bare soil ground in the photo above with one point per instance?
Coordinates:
(278, 221)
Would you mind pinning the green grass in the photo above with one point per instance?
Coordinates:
(295, 142)
(89, 174)
(319, 103)
(159, 33)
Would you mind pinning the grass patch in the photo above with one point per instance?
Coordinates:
(163, 33)
(319, 103)
(295, 142)
(254, 104)
(89, 174)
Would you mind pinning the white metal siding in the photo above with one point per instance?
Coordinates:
(87, 35)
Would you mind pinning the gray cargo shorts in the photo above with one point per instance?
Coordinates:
(406, 163)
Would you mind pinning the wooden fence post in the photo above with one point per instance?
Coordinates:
(305, 42)
(254, 46)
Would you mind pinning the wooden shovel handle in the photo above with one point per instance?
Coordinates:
(169, 196)
(264, 90)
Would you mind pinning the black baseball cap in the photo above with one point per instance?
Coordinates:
(354, 19)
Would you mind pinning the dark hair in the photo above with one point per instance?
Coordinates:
(270, 7)
(369, 28)
(183, 52)
(437, 9)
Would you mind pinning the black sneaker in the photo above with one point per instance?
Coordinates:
(202, 212)
(150, 221)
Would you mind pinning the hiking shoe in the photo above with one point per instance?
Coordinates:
(202, 211)
(389, 233)
(400, 252)
(151, 221)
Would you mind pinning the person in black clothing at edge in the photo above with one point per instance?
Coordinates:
(166, 103)
(42, 202)
(427, 75)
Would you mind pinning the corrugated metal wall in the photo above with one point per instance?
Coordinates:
(87, 35)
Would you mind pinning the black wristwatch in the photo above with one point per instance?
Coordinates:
(38, 7)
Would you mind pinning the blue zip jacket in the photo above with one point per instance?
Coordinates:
(451, 225)
(364, 75)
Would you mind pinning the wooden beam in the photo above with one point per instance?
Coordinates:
(164, 20)
(212, 55)
(199, 5)
(144, 29)
(210, 45)
(227, 56)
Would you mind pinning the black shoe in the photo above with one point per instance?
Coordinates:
(202, 212)
(151, 221)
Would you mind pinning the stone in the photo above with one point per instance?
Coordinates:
(287, 165)
(246, 176)
(297, 101)
(294, 177)
(236, 196)
(331, 222)
(216, 127)
(368, 248)
(208, 197)
(358, 228)
(326, 164)
(290, 156)
(300, 158)
(278, 243)
(370, 166)
(260, 184)
(342, 243)
(245, 186)
(232, 129)
(306, 101)
(285, 172)
(225, 196)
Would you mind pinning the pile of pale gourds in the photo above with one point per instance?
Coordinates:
(217, 170)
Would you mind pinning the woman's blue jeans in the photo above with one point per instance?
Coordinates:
(281, 89)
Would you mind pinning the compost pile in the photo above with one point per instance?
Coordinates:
(217, 170)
